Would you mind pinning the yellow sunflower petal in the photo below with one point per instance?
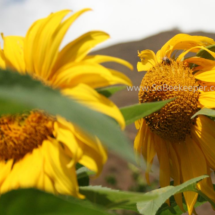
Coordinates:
(144, 145)
(203, 133)
(159, 57)
(206, 186)
(163, 157)
(43, 40)
(148, 60)
(92, 159)
(208, 76)
(91, 152)
(207, 99)
(56, 161)
(13, 52)
(138, 123)
(32, 165)
(176, 174)
(5, 169)
(64, 135)
(139, 139)
(45, 183)
(25, 173)
(103, 58)
(184, 42)
(29, 44)
(76, 50)
(89, 97)
(119, 78)
(203, 64)
(150, 154)
(93, 143)
(90, 74)
(2, 62)
(193, 164)
(12, 180)
(161, 147)
(194, 49)
(63, 124)
(60, 32)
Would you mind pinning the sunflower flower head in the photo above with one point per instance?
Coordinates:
(163, 82)
(39, 150)
(183, 144)
(22, 133)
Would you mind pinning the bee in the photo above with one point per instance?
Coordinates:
(166, 61)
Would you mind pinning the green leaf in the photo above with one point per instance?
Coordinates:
(174, 208)
(34, 202)
(205, 111)
(114, 199)
(138, 111)
(205, 197)
(164, 194)
(165, 209)
(83, 176)
(8, 106)
(22, 89)
(109, 91)
(204, 54)
(83, 172)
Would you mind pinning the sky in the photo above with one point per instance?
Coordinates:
(124, 20)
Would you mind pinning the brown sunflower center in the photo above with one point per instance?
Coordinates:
(19, 135)
(173, 122)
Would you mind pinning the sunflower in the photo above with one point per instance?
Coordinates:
(184, 145)
(39, 150)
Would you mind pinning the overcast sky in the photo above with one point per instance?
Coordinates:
(124, 20)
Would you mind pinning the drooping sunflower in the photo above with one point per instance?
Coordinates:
(184, 145)
(39, 150)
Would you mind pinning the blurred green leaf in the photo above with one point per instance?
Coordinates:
(205, 111)
(204, 54)
(83, 171)
(8, 106)
(83, 176)
(35, 202)
(138, 111)
(109, 91)
(165, 193)
(29, 93)
(115, 199)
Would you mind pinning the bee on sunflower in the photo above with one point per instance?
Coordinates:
(184, 145)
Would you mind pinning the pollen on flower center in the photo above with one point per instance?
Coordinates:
(20, 134)
(173, 122)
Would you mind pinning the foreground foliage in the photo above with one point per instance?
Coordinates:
(23, 93)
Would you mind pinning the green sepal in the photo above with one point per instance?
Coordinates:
(205, 111)
(204, 54)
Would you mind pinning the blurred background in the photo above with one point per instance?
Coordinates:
(133, 25)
